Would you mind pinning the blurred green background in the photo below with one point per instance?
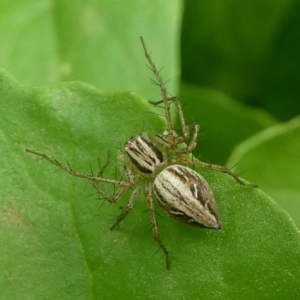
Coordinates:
(235, 65)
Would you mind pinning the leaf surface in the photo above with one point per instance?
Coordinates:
(55, 241)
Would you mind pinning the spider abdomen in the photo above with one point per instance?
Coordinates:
(185, 195)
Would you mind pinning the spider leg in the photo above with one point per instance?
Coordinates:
(164, 94)
(193, 143)
(116, 195)
(133, 197)
(172, 139)
(155, 233)
(215, 168)
(81, 175)
(189, 148)
(110, 198)
(184, 127)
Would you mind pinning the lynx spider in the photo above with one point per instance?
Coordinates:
(159, 163)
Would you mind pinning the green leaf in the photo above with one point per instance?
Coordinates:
(247, 49)
(55, 241)
(91, 41)
(272, 159)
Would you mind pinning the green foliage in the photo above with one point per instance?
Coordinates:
(272, 158)
(247, 49)
(54, 231)
(56, 238)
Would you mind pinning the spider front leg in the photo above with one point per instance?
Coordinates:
(164, 94)
(155, 233)
(172, 139)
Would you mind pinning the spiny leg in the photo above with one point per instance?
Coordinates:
(110, 198)
(167, 100)
(78, 174)
(186, 129)
(116, 195)
(133, 197)
(194, 140)
(173, 138)
(215, 168)
(193, 143)
(179, 140)
(164, 94)
(154, 224)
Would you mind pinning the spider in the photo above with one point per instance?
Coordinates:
(159, 164)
